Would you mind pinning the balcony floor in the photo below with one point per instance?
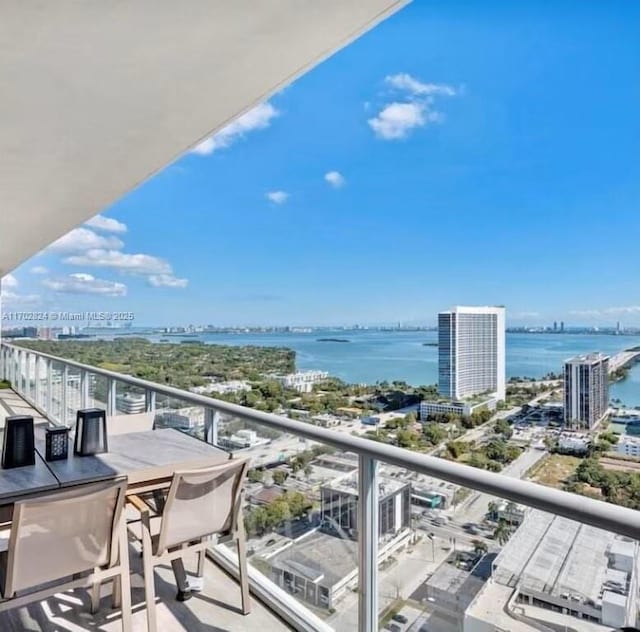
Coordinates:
(216, 609)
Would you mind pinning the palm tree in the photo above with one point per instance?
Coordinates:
(479, 546)
(502, 532)
(492, 508)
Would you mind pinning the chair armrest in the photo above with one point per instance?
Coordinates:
(138, 503)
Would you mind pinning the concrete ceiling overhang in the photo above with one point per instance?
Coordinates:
(98, 95)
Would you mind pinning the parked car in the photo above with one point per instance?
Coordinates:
(400, 618)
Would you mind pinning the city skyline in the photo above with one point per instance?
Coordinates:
(416, 169)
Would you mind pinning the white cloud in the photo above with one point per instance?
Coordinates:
(277, 197)
(81, 239)
(9, 297)
(413, 107)
(404, 81)
(107, 224)
(39, 270)
(9, 281)
(625, 310)
(167, 280)
(396, 120)
(259, 117)
(129, 263)
(82, 283)
(335, 179)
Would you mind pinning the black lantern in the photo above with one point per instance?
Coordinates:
(91, 432)
(18, 446)
(57, 443)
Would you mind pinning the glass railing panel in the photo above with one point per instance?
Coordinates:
(41, 377)
(130, 400)
(73, 398)
(300, 515)
(179, 414)
(474, 561)
(98, 391)
(57, 390)
(31, 376)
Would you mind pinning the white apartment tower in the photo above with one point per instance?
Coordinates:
(586, 390)
(471, 352)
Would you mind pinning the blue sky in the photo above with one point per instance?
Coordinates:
(460, 152)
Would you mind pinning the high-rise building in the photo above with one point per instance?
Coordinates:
(562, 326)
(555, 325)
(586, 390)
(471, 352)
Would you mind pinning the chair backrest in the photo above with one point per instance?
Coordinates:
(64, 533)
(202, 502)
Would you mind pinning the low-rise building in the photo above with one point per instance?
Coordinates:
(131, 403)
(574, 442)
(326, 420)
(462, 407)
(241, 440)
(320, 568)
(628, 445)
(173, 419)
(302, 381)
(339, 506)
(558, 571)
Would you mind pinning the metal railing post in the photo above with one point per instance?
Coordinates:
(149, 401)
(27, 375)
(84, 389)
(111, 397)
(211, 420)
(367, 545)
(38, 387)
(63, 396)
(49, 402)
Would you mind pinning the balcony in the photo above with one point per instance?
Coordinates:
(572, 564)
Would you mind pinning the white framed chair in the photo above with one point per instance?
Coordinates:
(65, 540)
(200, 504)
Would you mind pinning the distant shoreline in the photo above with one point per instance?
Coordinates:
(332, 340)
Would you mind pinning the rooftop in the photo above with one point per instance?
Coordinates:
(555, 555)
(589, 358)
(322, 558)
(349, 485)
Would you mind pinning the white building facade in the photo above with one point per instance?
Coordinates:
(629, 446)
(471, 352)
(302, 381)
(586, 390)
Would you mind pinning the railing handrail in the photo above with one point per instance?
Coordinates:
(621, 520)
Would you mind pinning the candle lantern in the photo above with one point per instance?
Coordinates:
(91, 432)
(18, 446)
(57, 443)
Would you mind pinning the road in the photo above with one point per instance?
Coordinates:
(474, 508)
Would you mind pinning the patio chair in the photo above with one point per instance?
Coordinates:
(67, 540)
(200, 504)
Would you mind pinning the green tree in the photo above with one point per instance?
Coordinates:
(434, 433)
(279, 477)
(407, 438)
(502, 532)
(255, 476)
(503, 427)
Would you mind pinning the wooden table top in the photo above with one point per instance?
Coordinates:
(143, 457)
(18, 482)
